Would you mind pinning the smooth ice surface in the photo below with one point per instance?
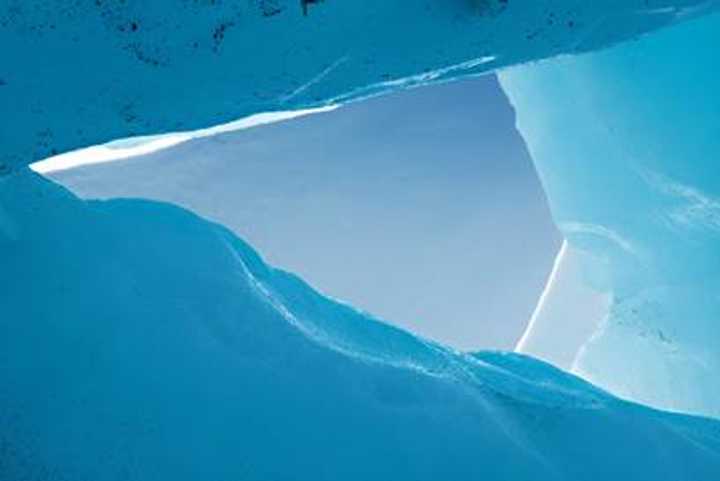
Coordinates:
(627, 144)
(568, 313)
(140, 342)
(81, 73)
(422, 207)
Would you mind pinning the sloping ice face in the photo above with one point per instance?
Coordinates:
(140, 342)
(627, 143)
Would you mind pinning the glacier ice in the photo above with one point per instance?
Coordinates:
(76, 74)
(140, 342)
(627, 143)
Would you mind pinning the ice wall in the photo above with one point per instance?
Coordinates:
(139, 342)
(74, 74)
(627, 143)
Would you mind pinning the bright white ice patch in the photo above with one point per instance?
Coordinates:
(126, 148)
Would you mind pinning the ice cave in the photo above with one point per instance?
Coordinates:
(142, 339)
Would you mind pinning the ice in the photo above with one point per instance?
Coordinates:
(627, 144)
(140, 342)
(568, 313)
(77, 74)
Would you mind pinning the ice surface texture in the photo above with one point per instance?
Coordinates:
(627, 142)
(139, 342)
(74, 74)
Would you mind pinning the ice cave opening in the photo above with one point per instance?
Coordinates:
(140, 341)
(421, 207)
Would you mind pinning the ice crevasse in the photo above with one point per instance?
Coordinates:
(140, 342)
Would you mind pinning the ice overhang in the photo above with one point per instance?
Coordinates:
(85, 73)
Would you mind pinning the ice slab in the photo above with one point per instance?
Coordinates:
(626, 142)
(77, 74)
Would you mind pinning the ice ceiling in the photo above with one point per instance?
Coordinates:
(139, 342)
(81, 73)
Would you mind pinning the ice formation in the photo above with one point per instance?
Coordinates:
(139, 342)
(627, 143)
(81, 73)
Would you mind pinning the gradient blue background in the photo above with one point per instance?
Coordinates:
(422, 207)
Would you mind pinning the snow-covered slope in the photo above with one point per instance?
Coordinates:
(139, 342)
(80, 73)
